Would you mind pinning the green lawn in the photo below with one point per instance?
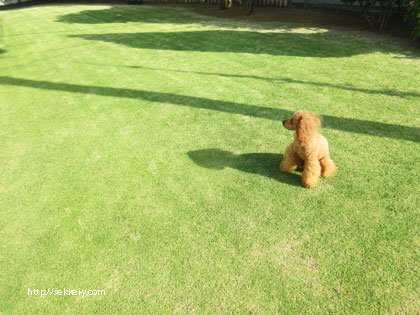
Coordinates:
(139, 153)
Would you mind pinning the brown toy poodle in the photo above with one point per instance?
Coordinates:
(309, 150)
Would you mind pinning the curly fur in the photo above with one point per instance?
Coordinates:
(309, 150)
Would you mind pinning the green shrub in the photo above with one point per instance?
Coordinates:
(413, 14)
(376, 12)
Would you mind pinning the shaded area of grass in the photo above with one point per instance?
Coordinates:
(387, 92)
(276, 114)
(264, 164)
(126, 14)
(280, 44)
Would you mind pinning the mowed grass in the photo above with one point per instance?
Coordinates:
(139, 153)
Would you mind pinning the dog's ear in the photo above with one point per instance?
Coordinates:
(301, 129)
(306, 127)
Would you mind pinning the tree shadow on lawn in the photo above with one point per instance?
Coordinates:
(321, 45)
(388, 92)
(264, 164)
(136, 14)
(121, 14)
(293, 44)
(373, 128)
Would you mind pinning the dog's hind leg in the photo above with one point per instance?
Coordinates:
(311, 173)
(290, 160)
(328, 167)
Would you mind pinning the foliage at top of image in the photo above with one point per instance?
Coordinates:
(413, 14)
(376, 12)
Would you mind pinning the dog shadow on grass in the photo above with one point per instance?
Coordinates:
(263, 164)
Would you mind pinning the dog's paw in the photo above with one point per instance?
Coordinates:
(309, 183)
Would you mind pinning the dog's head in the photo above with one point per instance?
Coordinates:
(305, 123)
